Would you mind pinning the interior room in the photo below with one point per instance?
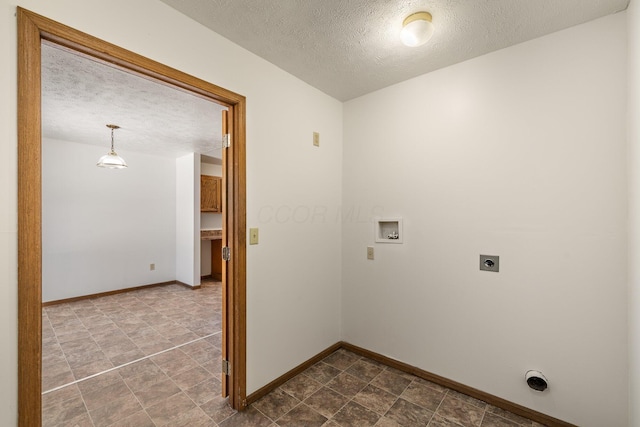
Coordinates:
(380, 196)
(130, 280)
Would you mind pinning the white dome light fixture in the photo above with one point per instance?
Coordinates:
(111, 160)
(417, 29)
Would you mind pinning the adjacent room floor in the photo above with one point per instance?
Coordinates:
(152, 358)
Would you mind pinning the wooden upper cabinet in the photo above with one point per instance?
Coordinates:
(210, 193)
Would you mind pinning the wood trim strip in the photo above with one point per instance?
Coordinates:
(238, 264)
(29, 224)
(227, 277)
(177, 282)
(263, 391)
(114, 292)
(454, 385)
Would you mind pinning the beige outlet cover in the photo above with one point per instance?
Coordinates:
(253, 236)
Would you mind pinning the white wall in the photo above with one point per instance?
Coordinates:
(101, 228)
(521, 154)
(8, 221)
(208, 220)
(188, 219)
(633, 112)
(293, 295)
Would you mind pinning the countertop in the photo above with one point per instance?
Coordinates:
(212, 234)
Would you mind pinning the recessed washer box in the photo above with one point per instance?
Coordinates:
(388, 230)
(490, 263)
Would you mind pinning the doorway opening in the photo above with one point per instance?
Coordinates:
(33, 30)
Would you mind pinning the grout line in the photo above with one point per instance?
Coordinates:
(137, 400)
(128, 363)
(439, 405)
(350, 399)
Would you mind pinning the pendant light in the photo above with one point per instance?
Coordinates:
(111, 160)
(417, 29)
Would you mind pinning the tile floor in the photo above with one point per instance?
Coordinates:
(181, 386)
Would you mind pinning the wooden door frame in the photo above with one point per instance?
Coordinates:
(33, 29)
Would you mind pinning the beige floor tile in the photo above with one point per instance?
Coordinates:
(204, 391)
(56, 397)
(99, 382)
(194, 417)
(354, 414)
(322, 372)
(218, 409)
(147, 378)
(106, 395)
(386, 422)
(138, 368)
(346, 384)
(409, 415)
(190, 378)
(394, 384)
(60, 413)
(174, 362)
(84, 371)
(181, 387)
(364, 370)
(509, 416)
(341, 359)
(302, 415)
(423, 396)
(468, 399)
(157, 392)
(438, 421)
(326, 402)
(460, 411)
(301, 387)
(115, 410)
(276, 404)
(248, 418)
(376, 399)
(492, 420)
(139, 419)
(170, 409)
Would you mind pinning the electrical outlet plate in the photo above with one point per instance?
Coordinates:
(152, 267)
(316, 139)
(253, 236)
(490, 263)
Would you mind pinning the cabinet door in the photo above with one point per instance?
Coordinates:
(216, 259)
(210, 193)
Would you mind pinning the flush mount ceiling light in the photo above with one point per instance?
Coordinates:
(417, 29)
(111, 160)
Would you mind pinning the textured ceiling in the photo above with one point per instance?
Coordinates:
(348, 48)
(81, 96)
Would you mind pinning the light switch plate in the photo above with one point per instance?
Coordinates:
(490, 263)
(253, 236)
(316, 139)
(369, 252)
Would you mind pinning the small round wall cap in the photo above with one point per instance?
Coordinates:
(536, 380)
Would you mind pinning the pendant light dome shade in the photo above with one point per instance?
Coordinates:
(417, 29)
(111, 160)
